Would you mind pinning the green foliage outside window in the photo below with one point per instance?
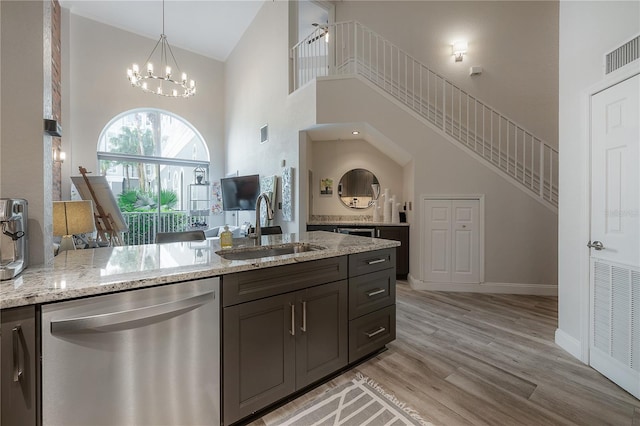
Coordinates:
(140, 210)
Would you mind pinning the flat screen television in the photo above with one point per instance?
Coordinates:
(240, 192)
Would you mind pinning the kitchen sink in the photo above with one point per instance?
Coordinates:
(258, 252)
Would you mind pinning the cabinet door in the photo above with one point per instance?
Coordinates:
(259, 354)
(397, 233)
(322, 339)
(18, 366)
(371, 332)
(370, 292)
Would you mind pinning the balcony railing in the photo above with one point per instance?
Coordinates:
(143, 226)
(353, 49)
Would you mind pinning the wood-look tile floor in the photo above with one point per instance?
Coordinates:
(485, 359)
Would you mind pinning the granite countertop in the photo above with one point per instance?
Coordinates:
(92, 272)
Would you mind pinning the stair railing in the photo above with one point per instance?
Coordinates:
(350, 48)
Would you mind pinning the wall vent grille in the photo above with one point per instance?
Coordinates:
(623, 55)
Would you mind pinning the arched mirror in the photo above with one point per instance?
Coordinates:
(358, 188)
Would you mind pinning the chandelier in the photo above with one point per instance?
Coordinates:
(162, 84)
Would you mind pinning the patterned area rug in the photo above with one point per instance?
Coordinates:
(357, 403)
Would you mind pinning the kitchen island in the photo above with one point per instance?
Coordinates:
(319, 310)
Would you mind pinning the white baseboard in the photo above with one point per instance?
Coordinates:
(620, 374)
(486, 287)
(569, 344)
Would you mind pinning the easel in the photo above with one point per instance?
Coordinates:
(105, 225)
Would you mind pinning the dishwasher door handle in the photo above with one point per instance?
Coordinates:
(123, 317)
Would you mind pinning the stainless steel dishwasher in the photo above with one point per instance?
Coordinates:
(141, 357)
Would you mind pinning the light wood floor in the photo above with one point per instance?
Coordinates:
(480, 359)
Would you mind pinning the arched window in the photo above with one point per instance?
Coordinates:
(151, 158)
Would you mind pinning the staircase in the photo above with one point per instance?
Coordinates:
(350, 48)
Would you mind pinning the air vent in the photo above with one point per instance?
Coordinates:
(623, 55)
(264, 133)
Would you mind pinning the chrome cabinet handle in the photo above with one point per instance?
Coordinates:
(595, 245)
(123, 317)
(373, 262)
(304, 316)
(292, 331)
(375, 333)
(376, 292)
(17, 370)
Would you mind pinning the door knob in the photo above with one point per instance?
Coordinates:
(595, 245)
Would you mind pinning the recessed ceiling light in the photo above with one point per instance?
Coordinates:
(355, 132)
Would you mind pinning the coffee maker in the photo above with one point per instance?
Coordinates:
(14, 247)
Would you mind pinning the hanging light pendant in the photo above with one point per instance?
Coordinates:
(162, 84)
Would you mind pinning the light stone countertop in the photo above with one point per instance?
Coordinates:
(92, 272)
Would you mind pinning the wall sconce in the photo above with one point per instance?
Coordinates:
(58, 155)
(459, 48)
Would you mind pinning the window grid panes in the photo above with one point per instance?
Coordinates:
(149, 158)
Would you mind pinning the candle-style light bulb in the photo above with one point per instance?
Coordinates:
(192, 84)
(159, 90)
(175, 93)
(184, 77)
(135, 68)
(168, 72)
(144, 85)
(150, 68)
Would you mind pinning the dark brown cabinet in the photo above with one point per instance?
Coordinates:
(322, 336)
(388, 232)
(397, 233)
(258, 355)
(290, 326)
(276, 345)
(19, 366)
(372, 298)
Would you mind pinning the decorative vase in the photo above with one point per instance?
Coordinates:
(376, 211)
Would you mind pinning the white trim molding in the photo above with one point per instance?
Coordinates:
(486, 287)
(570, 344)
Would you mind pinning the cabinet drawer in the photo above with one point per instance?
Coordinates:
(252, 285)
(371, 261)
(370, 292)
(371, 332)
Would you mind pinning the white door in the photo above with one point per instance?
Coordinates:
(452, 242)
(437, 241)
(615, 234)
(465, 241)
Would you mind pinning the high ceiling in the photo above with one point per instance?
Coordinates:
(208, 27)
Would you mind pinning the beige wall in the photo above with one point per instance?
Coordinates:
(26, 167)
(521, 234)
(516, 42)
(588, 30)
(257, 93)
(332, 159)
(96, 89)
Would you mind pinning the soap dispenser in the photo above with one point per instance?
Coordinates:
(226, 238)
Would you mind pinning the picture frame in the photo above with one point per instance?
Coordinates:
(326, 186)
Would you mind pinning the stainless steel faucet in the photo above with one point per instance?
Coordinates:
(257, 235)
